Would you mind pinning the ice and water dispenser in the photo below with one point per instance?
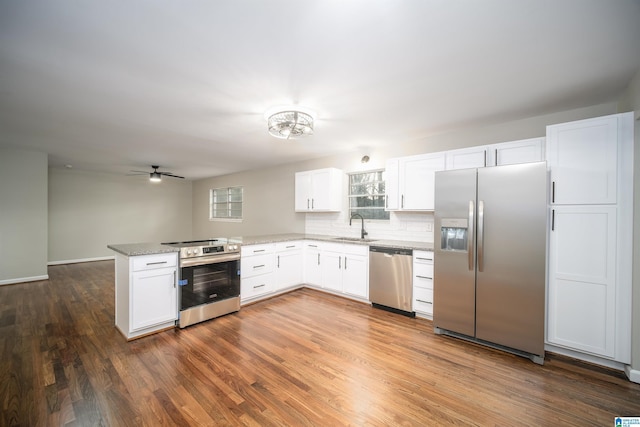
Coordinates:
(453, 234)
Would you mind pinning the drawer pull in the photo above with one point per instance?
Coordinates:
(258, 266)
(424, 259)
(424, 302)
(312, 246)
(255, 251)
(424, 277)
(289, 247)
(156, 263)
(259, 286)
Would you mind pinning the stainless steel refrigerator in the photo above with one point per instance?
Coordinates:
(489, 265)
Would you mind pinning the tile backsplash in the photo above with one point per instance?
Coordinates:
(409, 226)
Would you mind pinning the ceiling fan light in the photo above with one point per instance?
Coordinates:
(155, 177)
(290, 124)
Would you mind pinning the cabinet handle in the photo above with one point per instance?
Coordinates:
(553, 191)
(425, 302)
(312, 246)
(485, 158)
(255, 251)
(174, 278)
(553, 219)
(402, 202)
(258, 266)
(156, 263)
(386, 201)
(424, 277)
(318, 258)
(278, 266)
(289, 247)
(424, 259)
(339, 262)
(258, 286)
(497, 163)
(345, 262)
(312, 204)
(307, 204)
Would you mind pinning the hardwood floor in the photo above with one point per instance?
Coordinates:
(304, 358)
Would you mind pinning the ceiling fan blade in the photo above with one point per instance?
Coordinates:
(138, 173)
(171, 175)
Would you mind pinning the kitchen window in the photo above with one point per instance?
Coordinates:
(225, 204)
(367, 195)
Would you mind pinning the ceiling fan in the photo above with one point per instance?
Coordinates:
(156, 176)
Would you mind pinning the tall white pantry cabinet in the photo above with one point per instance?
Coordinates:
(590, 242)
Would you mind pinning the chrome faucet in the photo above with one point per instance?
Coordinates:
(362, 231)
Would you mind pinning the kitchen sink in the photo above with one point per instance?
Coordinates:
(354, 239)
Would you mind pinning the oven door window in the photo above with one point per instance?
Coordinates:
(208, 283)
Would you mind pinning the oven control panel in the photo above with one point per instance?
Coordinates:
(196, 251)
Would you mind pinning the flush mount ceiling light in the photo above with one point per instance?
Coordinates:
(290, 124)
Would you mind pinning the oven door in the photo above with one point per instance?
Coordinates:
(209, 279)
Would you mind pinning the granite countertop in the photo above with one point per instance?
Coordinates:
(276, 238)
(135, 249)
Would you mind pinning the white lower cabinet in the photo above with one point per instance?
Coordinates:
(312, 269)
(423, 283)
(345, 269)
(256, 271)
(289, 264)
(582, 279)
(336, 267)
(146, 293)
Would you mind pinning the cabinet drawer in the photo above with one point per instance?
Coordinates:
(423, 300)
(421, 257)
(148, 262)
(421, 282)
(423, 271)
(255, 265)
(251, 250)
(288, 246)
(255, 286)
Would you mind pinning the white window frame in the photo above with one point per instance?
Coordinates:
(213, 216)
(383, 195)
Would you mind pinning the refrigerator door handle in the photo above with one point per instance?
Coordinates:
(480, 235)
(470, 236)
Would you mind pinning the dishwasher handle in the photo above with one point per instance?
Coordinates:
(391, 251)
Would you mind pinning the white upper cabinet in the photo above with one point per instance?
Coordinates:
(417, 179)
(410, 185)
(510, 153)
(474, 157)
(319, 190)
(582, 157)
(392, 185)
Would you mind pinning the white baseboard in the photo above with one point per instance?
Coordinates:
(632, 374)
(76, 261)
(24, 279)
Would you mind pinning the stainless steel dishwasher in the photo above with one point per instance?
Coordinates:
(391, 279)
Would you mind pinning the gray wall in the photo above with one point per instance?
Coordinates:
(23, 215)
(88, 211)
(267, 204)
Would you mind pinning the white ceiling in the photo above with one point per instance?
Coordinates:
(118, 85)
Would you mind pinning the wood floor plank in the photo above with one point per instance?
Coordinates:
(305, 358)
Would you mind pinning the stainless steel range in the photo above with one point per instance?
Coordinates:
(209, 279)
